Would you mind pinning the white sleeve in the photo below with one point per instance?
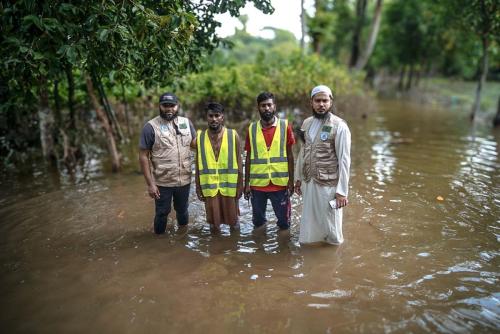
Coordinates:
(299, 164)
(343, 149)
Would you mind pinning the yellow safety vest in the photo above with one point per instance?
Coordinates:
(268, 164)
(218, 175)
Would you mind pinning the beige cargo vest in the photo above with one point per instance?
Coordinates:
(320, 158)
(171, 156)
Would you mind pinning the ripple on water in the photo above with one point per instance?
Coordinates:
(334, 294)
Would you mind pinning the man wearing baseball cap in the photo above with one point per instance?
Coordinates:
(322, 171)
(165, 159)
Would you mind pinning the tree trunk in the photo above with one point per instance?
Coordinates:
(356, 36)
(103, 118)
(401, 77)
(417, 77)
(302, 26)
(71, 97)
(482, 78)
(410, 77)
(69, 157)
(115, 126)
(316, 36)
(57, 104)
(46, 122)
(370, 45)
(125, 107)
(496, 120)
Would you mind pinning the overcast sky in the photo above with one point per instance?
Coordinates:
(286, 16)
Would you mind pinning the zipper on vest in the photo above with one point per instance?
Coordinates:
(178, 159)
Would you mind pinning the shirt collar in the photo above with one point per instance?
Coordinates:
(275, 122)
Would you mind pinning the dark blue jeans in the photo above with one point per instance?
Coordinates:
(163, 205)
(281, 206)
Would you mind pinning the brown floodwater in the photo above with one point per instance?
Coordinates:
(421, 253)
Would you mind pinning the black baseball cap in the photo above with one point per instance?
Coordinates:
(168, 98)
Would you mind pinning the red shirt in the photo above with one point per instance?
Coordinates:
(268, 137)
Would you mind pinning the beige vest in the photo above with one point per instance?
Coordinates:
(171, 156)
(320, 158)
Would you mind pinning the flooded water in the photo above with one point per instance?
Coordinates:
(421, 253)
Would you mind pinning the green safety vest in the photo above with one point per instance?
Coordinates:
(218, 175)
(268, 165)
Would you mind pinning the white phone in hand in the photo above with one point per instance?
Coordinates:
(333, 203)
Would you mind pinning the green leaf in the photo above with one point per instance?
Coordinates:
(38, 56)
(103, 34)
(32, 19)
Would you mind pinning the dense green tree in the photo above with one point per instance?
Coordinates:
(44, 43)
(481, 18)
(331, 28)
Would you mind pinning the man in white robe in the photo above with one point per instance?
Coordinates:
(322, 171)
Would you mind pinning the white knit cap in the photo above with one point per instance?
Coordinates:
(321, 89)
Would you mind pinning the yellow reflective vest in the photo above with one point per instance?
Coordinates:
(268, 165)
(218, 175)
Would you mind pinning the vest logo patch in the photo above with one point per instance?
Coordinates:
(326, 128)
(163, 128)
(182, 126)
(323, 136)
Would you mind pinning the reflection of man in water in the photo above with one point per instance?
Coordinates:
(165, 159)
(322, 171)
(218, 169)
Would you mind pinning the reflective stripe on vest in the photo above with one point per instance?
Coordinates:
(218, 175)
(268, 164)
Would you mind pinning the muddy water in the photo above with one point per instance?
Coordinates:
(77, 254)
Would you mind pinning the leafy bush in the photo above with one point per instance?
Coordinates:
(289, 77)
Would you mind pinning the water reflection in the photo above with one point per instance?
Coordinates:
(421, 251)
(384, 159)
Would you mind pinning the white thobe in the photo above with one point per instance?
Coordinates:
(319, 222)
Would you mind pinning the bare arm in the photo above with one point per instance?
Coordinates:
(239, 187)
(298, 171)
(247, 176)
(197, 176)
(192, 145)
(146, 171)
(291, 165)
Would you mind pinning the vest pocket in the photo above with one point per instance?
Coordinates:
(185, 140)
(186, 169)
(324, 151)
(165, 172)
(327, 174)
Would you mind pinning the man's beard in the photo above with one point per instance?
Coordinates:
(267, 116)
(215, 127)
(318, 115)
(168, 117)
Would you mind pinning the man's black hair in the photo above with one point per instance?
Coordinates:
(265, 96)
(214, 107)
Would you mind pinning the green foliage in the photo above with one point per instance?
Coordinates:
(428, 35)
(245, 48)
(331, 28)
(431, 36)
(136, 41)
(290, 77)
